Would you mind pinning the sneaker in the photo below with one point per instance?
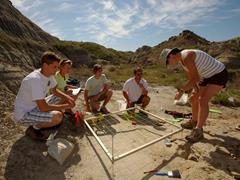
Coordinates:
(35, 134)
(190, 124)
(195, 136)
(104, 110)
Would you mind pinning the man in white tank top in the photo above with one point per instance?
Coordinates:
(206, 77)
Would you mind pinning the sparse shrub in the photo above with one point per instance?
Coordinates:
(111, 68)
(221, 98)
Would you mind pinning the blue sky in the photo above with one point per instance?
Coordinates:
(130, 24)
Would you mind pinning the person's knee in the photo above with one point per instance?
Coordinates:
(146, 99)
(95, 106)
(193, 98)
(57, 117)
(109, 93)
(203, 101)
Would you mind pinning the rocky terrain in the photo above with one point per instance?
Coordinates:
(226, 51)
(21, 46)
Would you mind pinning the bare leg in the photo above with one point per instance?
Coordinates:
(107, 97)
(56, 119)
(194, 102)
(205, 95)
(95, 105)
(145, 101)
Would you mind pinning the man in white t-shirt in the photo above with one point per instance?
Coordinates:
(32, 107)
(96, 90)
(135, 90)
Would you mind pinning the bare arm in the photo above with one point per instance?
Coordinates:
(144, 90)
(45, 107)
(191, 71)
(126, 97)
(62, 95)
(86, 100)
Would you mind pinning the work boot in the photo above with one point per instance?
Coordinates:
(195, 136)
(190, 124)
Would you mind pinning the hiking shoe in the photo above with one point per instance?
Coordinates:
(104, 110)
(35, 134)
(190, 124)
(195, 136)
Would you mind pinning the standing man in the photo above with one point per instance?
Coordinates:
(135, 90)
(96, 90)
(32, 107)
(206, 77)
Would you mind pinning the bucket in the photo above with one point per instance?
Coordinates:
(121, 105)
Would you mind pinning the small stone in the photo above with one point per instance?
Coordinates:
(45, 153)
(193, 158)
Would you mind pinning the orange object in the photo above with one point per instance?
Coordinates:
(77, 117)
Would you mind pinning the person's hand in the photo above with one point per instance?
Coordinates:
(129, 104)
(178, 95)
(67, 105)
(141, 85)
(70, 100)
(88, 108)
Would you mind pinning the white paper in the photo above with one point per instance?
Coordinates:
(75, 91)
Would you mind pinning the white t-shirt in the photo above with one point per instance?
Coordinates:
(133, 89)
(34, 86)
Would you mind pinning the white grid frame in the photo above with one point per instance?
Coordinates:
(118, 157)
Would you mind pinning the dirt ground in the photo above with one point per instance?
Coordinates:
(216, 157)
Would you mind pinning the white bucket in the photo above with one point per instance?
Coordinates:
(121, 105)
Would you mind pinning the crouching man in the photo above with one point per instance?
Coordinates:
(135, 90)
(32, 107)
(96, 90)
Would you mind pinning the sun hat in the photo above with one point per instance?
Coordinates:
(164, 54)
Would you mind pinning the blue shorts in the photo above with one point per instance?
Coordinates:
(35, 116)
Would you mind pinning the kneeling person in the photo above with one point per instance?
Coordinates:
(96, 90)
(135, 90)
(62, 76)
(32, 107)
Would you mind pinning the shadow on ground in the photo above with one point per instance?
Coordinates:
(26, 159)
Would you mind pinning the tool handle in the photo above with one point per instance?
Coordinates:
(154, 170)
(161, 174)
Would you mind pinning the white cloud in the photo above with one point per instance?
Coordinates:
(108, 4)
(26, 5)
(123, 19)
(65, 6)
(236, 10)
(18, 3)
(152, 2)
(108, 20)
